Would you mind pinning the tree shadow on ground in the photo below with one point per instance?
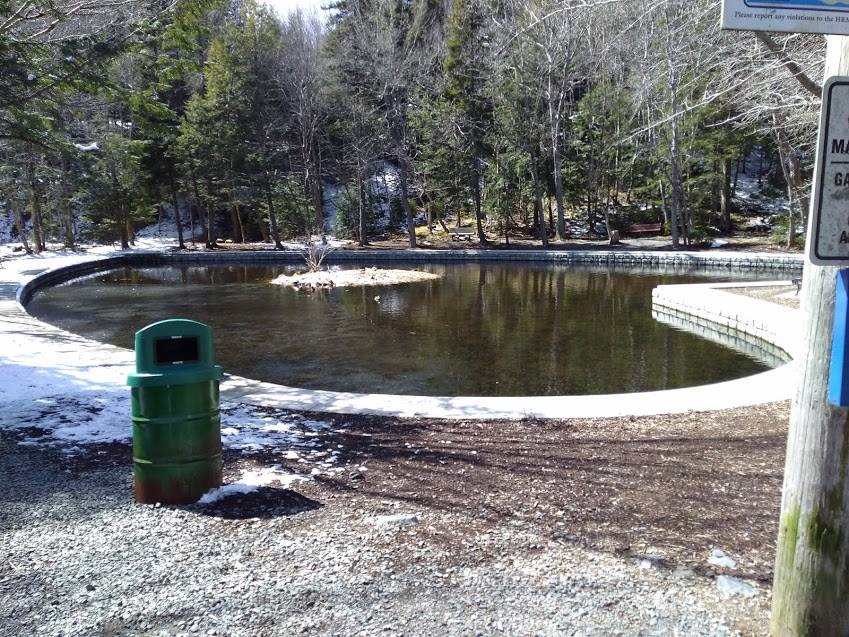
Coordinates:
(671, 487)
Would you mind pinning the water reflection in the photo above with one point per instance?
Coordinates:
(482, 329)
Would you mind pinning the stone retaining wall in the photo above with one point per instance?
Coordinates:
(712, 302)
(791, 264)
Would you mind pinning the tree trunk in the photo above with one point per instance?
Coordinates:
(21, 226)
(35, 207)
(68, 216)
(802, 196)
(784, 159)
(361, 203)
(811, 586)
(791, 168)
(238, 210)
(558, 192)
(177, 219)
(725, 201)
(677, 195)
(539, 215)
(263, 231)
(476, 197)
(198, 212)
(208, 229)
(272, 215)
(316, 194)
(677, 198)
(236, 217)
(739, 163)
(667, 219)
(122, 226)
(405, 203)
(551, 223)
(192, 213)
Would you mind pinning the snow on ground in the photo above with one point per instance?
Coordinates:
(363, 277)
(69, 422)
(78, 423)
(750, 192)
(59, 392)
(251, 481)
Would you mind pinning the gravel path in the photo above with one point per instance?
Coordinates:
(79, 558)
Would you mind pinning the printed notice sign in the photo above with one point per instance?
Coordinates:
(828, 229)
(791, 16)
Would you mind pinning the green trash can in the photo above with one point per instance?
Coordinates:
(175, 411)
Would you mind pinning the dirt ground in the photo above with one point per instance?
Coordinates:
(673, 487)
(670, 488)
(786, 295)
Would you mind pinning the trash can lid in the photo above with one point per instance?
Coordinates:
(174, 352)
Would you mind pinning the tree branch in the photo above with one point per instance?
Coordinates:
(795, 70)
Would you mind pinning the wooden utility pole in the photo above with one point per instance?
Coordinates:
(811, 586)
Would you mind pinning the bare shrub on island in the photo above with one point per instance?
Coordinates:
(315, 251)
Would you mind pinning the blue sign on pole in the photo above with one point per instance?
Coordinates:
(790, 16)
(838, 375)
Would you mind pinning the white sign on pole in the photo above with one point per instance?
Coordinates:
(828, 229)
(791, 16)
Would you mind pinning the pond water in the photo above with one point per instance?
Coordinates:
(480, 330)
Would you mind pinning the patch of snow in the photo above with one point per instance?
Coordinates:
(720, 559)
(251, 481)
(751, 183)
(363, 277)
(718, 243)
(731, 586)
(165, 228)
(69, 422)
(303, 245)
(651, 561)
(250, 429)
(86, 147)
(397, 520)
(65, 422)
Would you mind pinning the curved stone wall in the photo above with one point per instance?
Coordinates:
(685, 260)
(770, 386)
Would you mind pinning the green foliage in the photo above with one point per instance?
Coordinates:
(242, 110)
(296, 219)
(113, 192)
(601, 157)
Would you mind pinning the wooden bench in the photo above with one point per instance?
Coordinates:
(644, 228)
(462, 233)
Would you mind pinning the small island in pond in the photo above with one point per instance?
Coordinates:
(362, 277)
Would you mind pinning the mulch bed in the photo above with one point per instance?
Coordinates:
(669, 486)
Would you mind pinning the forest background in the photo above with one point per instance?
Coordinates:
(548, 120)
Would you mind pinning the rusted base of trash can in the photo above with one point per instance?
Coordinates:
(183, 483)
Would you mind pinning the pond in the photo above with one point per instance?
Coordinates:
(482, 329)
